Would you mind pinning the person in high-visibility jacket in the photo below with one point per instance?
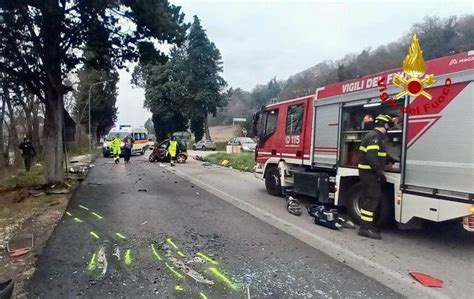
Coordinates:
(173, 149)
(116, 148)
(371, 174)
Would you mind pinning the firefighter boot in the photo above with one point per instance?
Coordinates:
(368, 231)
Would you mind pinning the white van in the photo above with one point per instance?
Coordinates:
(139, 135)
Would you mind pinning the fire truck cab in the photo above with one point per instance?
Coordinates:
(310, 145)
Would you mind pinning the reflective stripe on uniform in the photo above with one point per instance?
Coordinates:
(364, 166)
(366, 213)
(366, 219)
(373, 147)
(382, 154)
(363, 149)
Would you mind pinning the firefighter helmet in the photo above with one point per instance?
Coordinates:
(383, 120)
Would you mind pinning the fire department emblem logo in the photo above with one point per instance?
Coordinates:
(413, 80)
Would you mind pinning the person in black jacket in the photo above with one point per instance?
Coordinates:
(371, 166)
(27, 152)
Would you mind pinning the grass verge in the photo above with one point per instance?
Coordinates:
(21, 178)
(240, 161)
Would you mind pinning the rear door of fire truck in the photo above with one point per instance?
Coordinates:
(438, 177)
(326, 132)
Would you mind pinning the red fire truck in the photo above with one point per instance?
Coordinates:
(310, 145)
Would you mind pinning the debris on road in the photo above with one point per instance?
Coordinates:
(16, 252)
(141, 190)
(325, 217)
(293, 206)
(206, 164)
(144, 223)
(57, 191)
(427, 280)
(346, 223)
(199, 158)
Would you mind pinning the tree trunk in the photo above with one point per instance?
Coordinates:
(53, 136)
(35, 106)
(54, 107)
(2, 141)
(13, 133)
(206, 128)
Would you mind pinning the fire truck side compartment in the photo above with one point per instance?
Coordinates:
(314, 184)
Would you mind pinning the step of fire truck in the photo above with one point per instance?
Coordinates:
(315, 184)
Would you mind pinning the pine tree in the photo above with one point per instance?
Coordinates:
(204, 83)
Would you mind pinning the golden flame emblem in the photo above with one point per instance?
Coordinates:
(413, 79)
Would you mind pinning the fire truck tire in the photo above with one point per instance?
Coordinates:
(272, 181)
(383, 214)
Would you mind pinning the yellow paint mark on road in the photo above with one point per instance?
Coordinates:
(128, 257)
(69, 214)
(155, 253)
(97, 215)
(92, 263)
(180, 253)
(208, 259)
(94, 235)
(203, 296)
(83, 207)
(174, 271)
(222, 277)
(77, 219)
(120, 236)
(178, 288)
(172, 243)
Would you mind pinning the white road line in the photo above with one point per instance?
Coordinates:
(392, 279)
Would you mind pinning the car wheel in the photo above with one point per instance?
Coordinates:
(152, 158)
(181, 159)
(383, 214)
(203, 148)
(272, 181)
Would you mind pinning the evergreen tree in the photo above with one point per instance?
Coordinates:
(204, 84)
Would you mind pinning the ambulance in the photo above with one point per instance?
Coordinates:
(139, 135)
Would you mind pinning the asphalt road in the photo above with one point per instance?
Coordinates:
(443, 250)
(177, 240)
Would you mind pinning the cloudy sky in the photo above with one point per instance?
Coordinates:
(262, 39)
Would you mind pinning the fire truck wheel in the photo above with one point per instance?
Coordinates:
(272, 181)
(383, 214)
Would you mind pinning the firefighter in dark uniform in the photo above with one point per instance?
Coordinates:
(371, 166)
